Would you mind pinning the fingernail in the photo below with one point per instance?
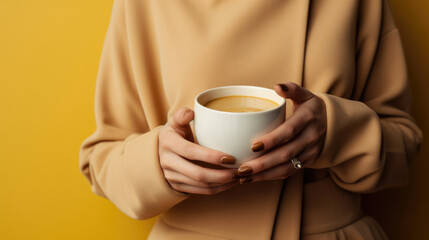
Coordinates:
(240, 175)
(284, 87)
(256, 147)
(235, 175)
(245, 180)
(246, 170)
(227, 159)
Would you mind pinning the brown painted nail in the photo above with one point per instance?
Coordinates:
(284, 87)
(227, 160)
(235, 175)
(246, 170)
(256, 147)
(245, 180)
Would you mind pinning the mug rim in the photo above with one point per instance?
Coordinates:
(282, 104)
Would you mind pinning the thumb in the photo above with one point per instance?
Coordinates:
(180, 120)
(294, 92)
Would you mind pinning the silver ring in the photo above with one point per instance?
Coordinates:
(296, 163)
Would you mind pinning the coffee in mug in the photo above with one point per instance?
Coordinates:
(241, 103)
(230, 118)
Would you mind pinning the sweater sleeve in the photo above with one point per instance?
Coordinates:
(370, 141)
(120, 159)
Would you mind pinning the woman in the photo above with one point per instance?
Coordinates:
(341, 64)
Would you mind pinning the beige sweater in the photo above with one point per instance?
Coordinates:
(159, 54)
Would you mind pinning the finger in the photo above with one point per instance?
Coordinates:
(273, 158)
(293, 91)
(308, 156)
(174, 162)
(193, 151)
(287, 169)
(180, 120)
(281, 171)
(281, 154)
(286, 131)
(182, 187)
(175, 177)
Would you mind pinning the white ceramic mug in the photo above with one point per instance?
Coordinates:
(233, 132)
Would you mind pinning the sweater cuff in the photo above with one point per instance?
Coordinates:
(353, 130)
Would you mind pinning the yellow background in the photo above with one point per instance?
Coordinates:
(49, 53)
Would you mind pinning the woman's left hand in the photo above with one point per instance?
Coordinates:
(301, 136)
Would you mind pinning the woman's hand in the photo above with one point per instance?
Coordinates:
(301, 136)
(176, 152)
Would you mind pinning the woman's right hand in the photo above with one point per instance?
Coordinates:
(176, 152)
